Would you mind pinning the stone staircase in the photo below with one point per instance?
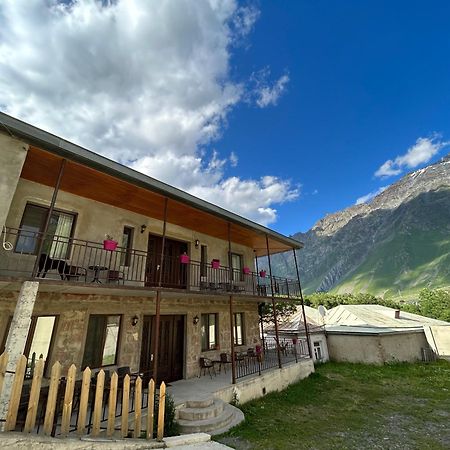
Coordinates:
(208, 415)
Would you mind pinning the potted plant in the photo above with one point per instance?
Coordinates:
(262, 273)
(184, 258)
(246, 270)
(215, 263)
(109, 243)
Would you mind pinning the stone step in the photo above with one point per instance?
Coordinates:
(200, 403)
(201, 413)
(229, 417)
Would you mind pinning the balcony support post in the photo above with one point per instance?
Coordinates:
(277, 337)
(47, 219)
(158, 298)
(258, 289)
(233, 358)
(308, 340)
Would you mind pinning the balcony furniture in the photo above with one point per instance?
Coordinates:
(206, 364)
(262, 290)
(97, 269)
(225, 359)
(75, 272)
(115, 276)
(47, 263)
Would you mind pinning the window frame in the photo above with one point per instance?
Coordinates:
(235, 328)
(102, 347)
(207, 335)
(127, 251)
(237, 275)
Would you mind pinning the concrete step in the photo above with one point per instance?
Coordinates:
(228, 417)
(201, 413)
(200, 402)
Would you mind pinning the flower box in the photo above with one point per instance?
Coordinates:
(262, 273)
(246, 270)
(184, 259)
(215, 263)
(109, 244)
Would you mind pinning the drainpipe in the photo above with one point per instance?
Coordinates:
(308, 340)
(47, 220)
(273, 304)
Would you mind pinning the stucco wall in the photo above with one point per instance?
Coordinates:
(74, 309)
(376, 349)
(12, 157)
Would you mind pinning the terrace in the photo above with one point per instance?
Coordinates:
(70, 260)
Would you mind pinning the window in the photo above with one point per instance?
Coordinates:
(127, 244)
(209, 332)
(101, 341)
(203, 261)
(318, 350)
(237, 266)
(39, 340)
(239, 329)
(60, 227)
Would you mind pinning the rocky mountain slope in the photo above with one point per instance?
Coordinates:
(398, 242)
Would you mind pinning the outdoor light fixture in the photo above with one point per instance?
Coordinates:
(195, 320)
(143, 228)
(196, 243)
(134, 320)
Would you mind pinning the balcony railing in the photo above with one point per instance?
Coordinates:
(79, 261)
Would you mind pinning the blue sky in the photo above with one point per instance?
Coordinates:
(282, 111)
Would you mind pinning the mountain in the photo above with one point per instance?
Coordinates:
(396, 244)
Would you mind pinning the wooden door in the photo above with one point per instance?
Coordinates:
(174, 274)
(171, 347)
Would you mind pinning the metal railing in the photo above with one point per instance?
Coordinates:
(75, 260)
(254, 361)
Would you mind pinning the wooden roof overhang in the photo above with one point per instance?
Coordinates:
(93, 176)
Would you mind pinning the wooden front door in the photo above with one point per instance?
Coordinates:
(171, 347)
(174, 274)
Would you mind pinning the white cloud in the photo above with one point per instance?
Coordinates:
(420, 153)
(368, 197)
(145, 83)
(264, 92)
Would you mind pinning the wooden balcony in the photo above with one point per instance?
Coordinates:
(82, 262)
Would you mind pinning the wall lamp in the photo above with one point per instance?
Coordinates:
(134, 320)
(143, 228)
(196, 243)
(195, 320)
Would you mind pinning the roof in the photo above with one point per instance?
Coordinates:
(376, 316)
(62, 147)
(294, 323)
(368, 331)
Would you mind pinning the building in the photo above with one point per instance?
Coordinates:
(377, 334)
(132, 272)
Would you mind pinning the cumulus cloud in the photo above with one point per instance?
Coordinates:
(420, 153)
(144, 83)
(266, 93)
(368, 197)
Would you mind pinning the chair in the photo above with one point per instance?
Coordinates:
(115, 276)
(206, 363)
(224, 360)
(75, 272)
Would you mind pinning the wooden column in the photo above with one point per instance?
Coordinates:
(158, 297)
(233, 359)
(277, 337)
(308, 340)
(47, 219)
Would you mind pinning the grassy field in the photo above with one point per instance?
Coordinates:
(353, 406)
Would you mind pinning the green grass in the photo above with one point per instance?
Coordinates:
(353, 406)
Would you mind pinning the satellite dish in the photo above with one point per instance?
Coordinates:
(322, 310)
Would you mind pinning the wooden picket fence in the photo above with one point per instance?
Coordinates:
(103, 398)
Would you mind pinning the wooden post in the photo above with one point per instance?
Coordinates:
(161, 410)
(68, 401)
(98, 405)
(16, 392)
(112, 405)
(51, 399)
(277, 338)
(84, 400)
(150, 408)
(308, 340)
(3, 363)
(233, 357)
(47, 219)
(137, 407)
(34, 396)
(125, 406)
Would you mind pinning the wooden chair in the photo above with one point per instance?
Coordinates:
(206, 363)
(225, 359)
(115, 276)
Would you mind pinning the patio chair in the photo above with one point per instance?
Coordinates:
(206, 363)
(225, 359)
(115, 276)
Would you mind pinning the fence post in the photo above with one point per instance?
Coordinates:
(68, 401)
(100, 385)
(112, 404)
(150, 408)
(3, 363)
(16, 392)
(51, 400)
(137, 407)
(84, 400)
(34, 396)
(125, 406)
(161, 410)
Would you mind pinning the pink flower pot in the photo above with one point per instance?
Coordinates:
(184, 259)
(109, 245)
(262, 274)
(215, 263)
(246, 270)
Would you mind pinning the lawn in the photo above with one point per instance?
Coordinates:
(352, 406)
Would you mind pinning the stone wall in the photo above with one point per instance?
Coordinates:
(73, 312)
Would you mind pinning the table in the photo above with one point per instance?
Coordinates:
(97, 269)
